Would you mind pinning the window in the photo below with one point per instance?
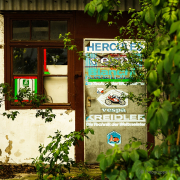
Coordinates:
(38, 59)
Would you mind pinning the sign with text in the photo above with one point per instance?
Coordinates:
(108, 110)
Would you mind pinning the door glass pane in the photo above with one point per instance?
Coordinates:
(21, 30)
(24, 60)
(56, 88)
(40, 30)
(55, 61)
(58, 27)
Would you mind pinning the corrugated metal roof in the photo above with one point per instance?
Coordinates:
(55, 5)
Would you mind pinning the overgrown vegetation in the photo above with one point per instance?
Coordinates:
(158, 24)
(55, 155)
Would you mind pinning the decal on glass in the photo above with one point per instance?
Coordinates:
(24, 81)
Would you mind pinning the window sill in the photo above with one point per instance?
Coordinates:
(44, 106)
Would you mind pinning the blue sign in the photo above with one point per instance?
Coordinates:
(114, 138)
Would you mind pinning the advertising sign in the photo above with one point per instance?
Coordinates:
(97, 72)
(113, 117)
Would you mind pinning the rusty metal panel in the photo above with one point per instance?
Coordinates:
(54, 5)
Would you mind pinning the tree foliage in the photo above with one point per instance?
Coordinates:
(158, 24)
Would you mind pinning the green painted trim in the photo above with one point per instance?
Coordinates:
(46, 72)
(15, 88)
(35, 85)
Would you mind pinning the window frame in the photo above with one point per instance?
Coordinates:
(40, 45)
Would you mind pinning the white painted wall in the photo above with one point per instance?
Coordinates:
(27, 132)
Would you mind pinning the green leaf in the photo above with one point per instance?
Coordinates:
(154, 125)
(172, 53)
(155, 2)
(146, 176)
(91, 131)
(140, 171)
(114, 174)
(110, 160)
(174, 27)
(105, 17)
(142, 153)
(134, 155)
(135, 144)
(150, 113)
(125, 155)
(160, 68)
(165, 149)
(103, 164)
(151, 86)
(99, 8)
(152, 76)
(174, 92)
(162, 116)
(123, 174)
(147, 64)
(176, 58)
(171, 138)
(148, 164)
(157, 151)
(136, 165)
(86, 7)
(100, 157)
(91, 9)
(127, 147)
(109, 152)
(167, 105)
(150, 17)
(103, 176)
(57, 151)
(168, 64)
(153, 162)
(157, 92)
(131, 175)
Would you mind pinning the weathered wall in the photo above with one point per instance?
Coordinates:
(20, 139)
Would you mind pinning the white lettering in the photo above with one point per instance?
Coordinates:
(98, 117)
(106, 117)
(133, 117)
(90, 117)
(141, 116)
(116, 117)
(130, 118)
(125, 117)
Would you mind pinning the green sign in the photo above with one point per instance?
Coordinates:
(26, 82)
